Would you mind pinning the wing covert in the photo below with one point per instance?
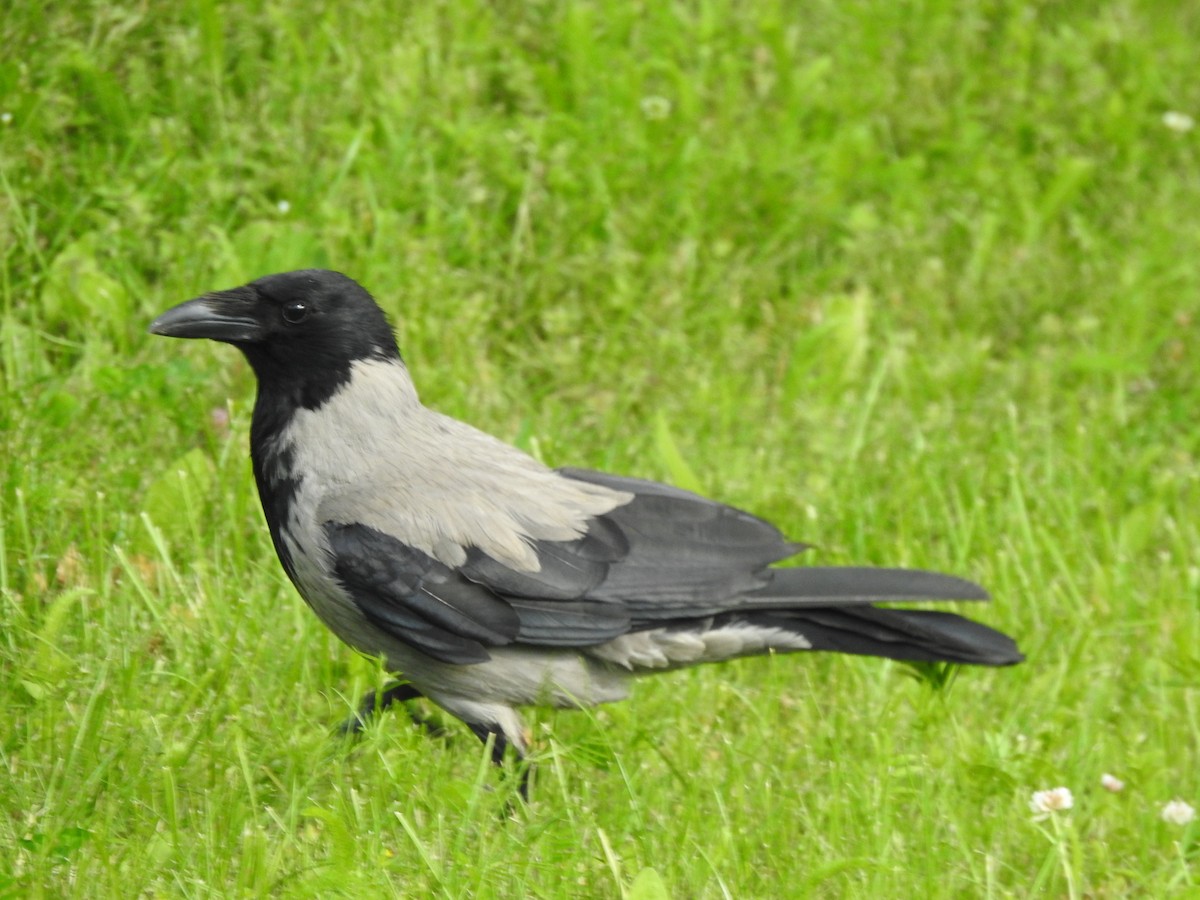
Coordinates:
(417, 599)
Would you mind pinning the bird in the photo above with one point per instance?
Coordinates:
(488, 581)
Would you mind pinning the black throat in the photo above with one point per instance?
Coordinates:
(274, 466)
(297, 380)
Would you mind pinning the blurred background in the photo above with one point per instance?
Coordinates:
(917, 280)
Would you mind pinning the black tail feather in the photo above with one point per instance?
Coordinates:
(913, 635)
(846, 585)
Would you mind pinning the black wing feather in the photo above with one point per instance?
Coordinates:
(418, 599)
(568, 569)
(455, 618)
(688, 555)
(570, 623)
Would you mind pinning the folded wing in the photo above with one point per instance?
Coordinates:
(666, 558)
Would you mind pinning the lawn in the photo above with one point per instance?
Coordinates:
(917, 280)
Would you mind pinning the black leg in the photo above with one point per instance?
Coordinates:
(500, 746)
(377, 701)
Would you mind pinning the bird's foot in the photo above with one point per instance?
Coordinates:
(376, 702)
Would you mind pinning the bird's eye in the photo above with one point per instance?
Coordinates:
(294, 312)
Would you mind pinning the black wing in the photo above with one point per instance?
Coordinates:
(687, 555)
(668, 554)
(416, 598)
(455, 615)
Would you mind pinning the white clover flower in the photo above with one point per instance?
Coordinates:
(654, 107)
(1112, 783)
(1177, 812)
(284, 207)
(5, 118)
(1043, 803)
(1178, 121)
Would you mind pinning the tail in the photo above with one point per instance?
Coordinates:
(913, 635)
(847, 585)
(832, 609)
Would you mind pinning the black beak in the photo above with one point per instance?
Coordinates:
(222, 316)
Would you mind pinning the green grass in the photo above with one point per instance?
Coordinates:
(917, 280)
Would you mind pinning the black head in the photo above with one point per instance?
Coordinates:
(301, 331)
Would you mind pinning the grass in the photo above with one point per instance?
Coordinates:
(916, 280)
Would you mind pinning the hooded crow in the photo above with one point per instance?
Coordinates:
(488, 581)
